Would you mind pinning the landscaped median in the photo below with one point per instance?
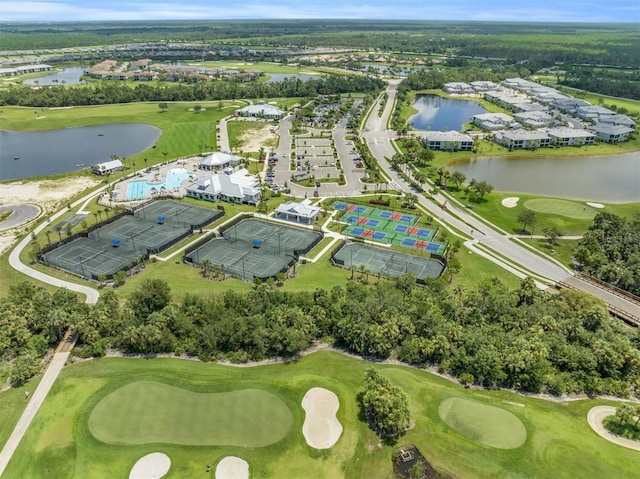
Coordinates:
(156, 405)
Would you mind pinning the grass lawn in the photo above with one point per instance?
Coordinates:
(559, 441)
(147, 412)
(489, 425)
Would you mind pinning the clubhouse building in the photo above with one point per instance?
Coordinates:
(232, 187)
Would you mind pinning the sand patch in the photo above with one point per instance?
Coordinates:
(321, 428)
(232, 467)
(50, 195)
(596, 205)
(151, 466)
(510, 202)
(255, 138)
(595, 417)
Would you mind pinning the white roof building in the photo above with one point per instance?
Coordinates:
(447, 140)
(494, 121)
(217, 160)
(611, 133)
(518, 139)
(238, 187)
(458, 87)
(534, 119)
(484, 85)
(261, 110)
(617, 120)
(107, 167)
(301, 212)
(565, 136)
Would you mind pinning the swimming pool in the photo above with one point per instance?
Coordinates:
(140, 189)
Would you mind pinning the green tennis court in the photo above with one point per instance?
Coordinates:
(146, 412)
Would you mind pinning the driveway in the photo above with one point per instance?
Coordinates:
(21, 214)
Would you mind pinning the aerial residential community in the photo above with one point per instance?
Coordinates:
(377, 247)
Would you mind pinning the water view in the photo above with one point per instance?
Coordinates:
(278, 77)
(437, 114)
(614, 178)
(31, 153)
(68, 76)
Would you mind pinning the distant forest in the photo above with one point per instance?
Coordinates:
(541, 45)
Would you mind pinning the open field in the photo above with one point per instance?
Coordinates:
(559, 441)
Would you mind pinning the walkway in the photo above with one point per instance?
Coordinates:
(37, 398)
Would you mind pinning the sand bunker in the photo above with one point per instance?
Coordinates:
(510, 202)
(321, 427)
(595, 417)
(151, 466)
(232, 467)
(596, 205)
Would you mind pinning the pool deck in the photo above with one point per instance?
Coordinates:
(158, 174)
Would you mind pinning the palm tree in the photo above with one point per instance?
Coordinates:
(205, 267)
(458, 178)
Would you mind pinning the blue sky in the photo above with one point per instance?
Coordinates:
(483, 10)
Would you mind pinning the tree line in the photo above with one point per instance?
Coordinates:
(111, 92)
(610, 251)
(489, 335)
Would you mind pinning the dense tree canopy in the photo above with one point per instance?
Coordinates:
(385, 405)
(489, 335)
(610, 251)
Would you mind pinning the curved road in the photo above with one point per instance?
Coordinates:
(22, 213)
(505, 249)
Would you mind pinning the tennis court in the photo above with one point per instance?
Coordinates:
(387, 262)
(124, 242)
(255, 248)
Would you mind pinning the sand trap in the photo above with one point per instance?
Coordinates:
(596, 416)
(151, 466)
(510, 202)
(321, 427)
(232, 467)
(595, 205)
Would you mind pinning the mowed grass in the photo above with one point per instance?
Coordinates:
(146, 412)
(489, 425)
(559, 443)
(570, 209)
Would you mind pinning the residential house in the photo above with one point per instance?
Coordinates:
(447, 140)
(484, 85)
(534, 119)
(617, 120)
(564, 136)
(611, 133)
(459, 88)
(494, 121)
(523, 139)
(593, 112)
(569, 105)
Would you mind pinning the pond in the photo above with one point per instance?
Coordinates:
(612, 178)
(68, 76)
(437, 114)
(278, 77)
(31, 153)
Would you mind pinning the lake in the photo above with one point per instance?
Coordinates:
(613, 178)
(70, 76)
(278, 77)
(53, 152)
(437, 114)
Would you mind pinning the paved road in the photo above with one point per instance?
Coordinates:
(469, 225)
(21, 214)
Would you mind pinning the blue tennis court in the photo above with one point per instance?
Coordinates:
(385, 215)
(373, 223)
(407, 218)
(357, 231)
(400, 229)
(408, 242)
(360, 209)
(378, 235)
(352, 219)
(340, 206)
(433, 247)
(422, 232)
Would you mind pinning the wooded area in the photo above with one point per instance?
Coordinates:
(490, 335)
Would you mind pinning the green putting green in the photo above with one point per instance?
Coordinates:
(146, 412)
(570, 209)
(489, 425)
